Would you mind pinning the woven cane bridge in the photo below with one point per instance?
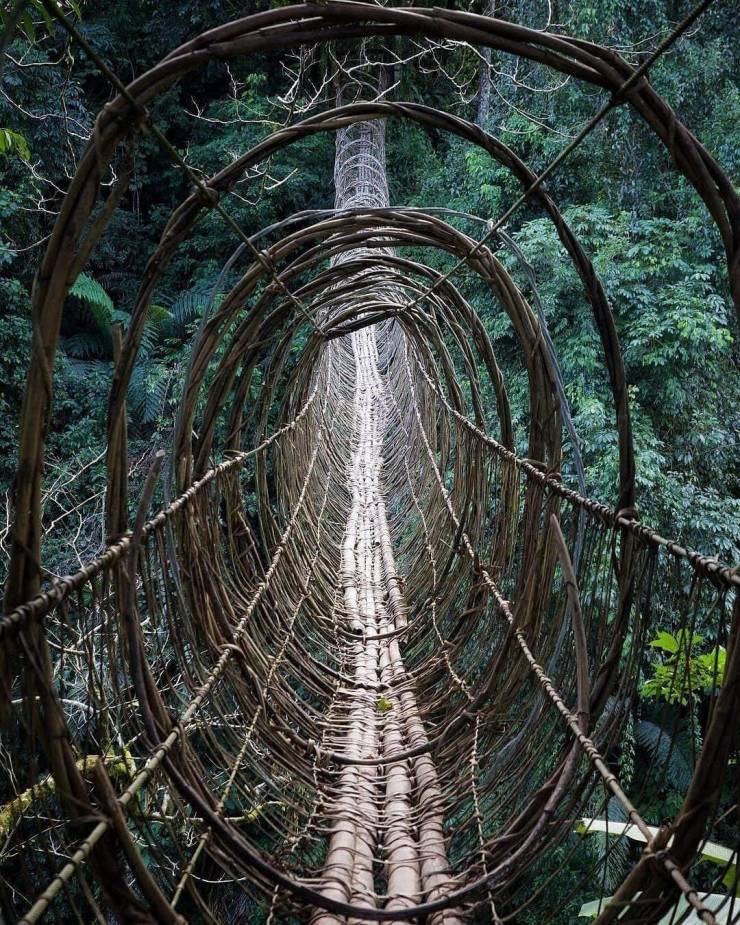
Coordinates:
(390, 688)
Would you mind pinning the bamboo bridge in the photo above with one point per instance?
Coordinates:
(372, 665)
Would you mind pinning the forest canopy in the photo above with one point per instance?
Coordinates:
(648, 234)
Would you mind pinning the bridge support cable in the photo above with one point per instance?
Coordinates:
(185, 720)
(504, 608)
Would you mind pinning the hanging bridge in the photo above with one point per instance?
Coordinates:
(372, 665)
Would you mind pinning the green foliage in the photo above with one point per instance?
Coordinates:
(384, 705)
(89, 291)
(34, 17)
(15, 337)
(665, 282)
(668, 752)
(14, 143)
(612, 855)
(681, 672)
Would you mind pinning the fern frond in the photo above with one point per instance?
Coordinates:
(613, 853)
(85, 345)
(667, 751)
(189, 305)
(136, 394)
(156, 396)
(158, 314)
(96, 300)
(150, 337)
(86, 368)
(148, 391)
(119, 278)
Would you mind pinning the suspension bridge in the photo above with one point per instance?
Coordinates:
(372, 665)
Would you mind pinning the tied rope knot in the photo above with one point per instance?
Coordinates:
(622, 94)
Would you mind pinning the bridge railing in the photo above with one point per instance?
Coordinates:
(246, 675)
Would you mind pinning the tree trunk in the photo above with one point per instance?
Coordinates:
(484, 77)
